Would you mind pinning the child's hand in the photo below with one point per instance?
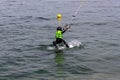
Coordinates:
(66, 27)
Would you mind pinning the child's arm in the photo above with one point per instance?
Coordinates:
(66, 27)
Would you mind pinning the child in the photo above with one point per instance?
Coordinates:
(59, 36)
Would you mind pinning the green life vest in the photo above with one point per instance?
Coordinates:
(59, 34)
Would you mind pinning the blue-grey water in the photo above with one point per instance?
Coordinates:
(27, 27)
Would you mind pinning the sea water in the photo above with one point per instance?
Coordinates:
(27, 27)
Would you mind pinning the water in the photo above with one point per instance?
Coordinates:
(27, 27)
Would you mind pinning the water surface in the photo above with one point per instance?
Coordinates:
(27, 27)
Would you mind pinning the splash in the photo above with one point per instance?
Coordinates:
(74, 43)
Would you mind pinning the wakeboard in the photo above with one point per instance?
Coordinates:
(71, 44)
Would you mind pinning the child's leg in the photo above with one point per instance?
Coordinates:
(65, 43)
(55, 44)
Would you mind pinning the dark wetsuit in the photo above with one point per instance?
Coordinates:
(59, 36)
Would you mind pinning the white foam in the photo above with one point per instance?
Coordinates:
(74, 43)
